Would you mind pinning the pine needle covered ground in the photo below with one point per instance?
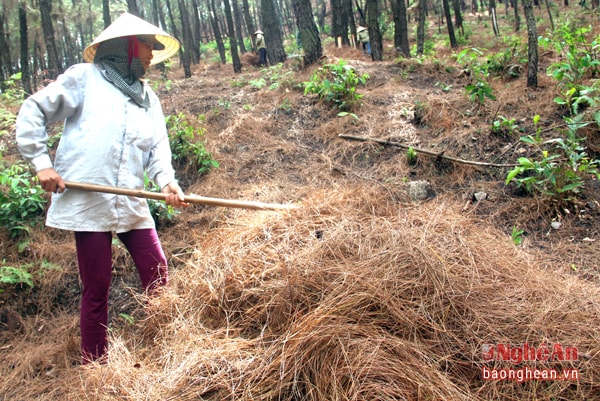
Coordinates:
(358, 294)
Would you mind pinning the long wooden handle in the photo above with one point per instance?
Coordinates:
(202, 200)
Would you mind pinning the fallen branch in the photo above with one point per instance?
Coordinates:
(439, 155)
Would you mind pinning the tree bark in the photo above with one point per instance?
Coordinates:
(517, 16)
(272, 28)
(401, 43)
(25, 72)
(422, 16)
(549, 14)
(337, 30)
(105, 13)
(132, 7)
(492, 9)
(446, 6)
(217, 32)
(54, 65)
(375, 39)
(532, 44)
(308, 31)
(249, 22)
(239, 32)
(235, 58)
(68, 43)
(196, 40)
(458, 19)
(6, 69)
(186, 39)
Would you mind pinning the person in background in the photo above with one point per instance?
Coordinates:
(363, 37)
(261, 48)
(114, 133)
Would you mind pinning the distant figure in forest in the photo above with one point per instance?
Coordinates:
(260, 48)
(363, 38)
(114, 133)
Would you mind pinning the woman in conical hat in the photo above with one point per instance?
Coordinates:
(114, 133)
(261, 48)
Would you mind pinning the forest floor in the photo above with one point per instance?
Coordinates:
(364, 291)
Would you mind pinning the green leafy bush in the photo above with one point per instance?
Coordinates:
(561, 167)
(187, 144)
(10, 275)
(578, 62)
(336, 84)
(13, 93)
(22, 201)
(478, 68)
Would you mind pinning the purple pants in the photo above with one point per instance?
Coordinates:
(94, 256)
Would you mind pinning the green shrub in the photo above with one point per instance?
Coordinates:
(10, 275)
(561, 166)
(187, 144)
(336, 85)
(22, 201)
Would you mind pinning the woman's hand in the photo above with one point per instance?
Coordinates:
(175, 196)
(50, 180)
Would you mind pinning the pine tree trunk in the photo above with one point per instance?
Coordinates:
(458, 19)
(54, 65)
(239, 32)
(196, 29)
(132, 7)
(235, 58)
(249, 22)
(25, 73)
(309, 34)
(272, 28)
(375, 40)
(446, 6)
(337, 29)
(186, 39)
(494, 17)
(517, 16)
(217, 32)
(5, 61)
(105, 13)
(422, 16)
(532, 44)
(401, 43)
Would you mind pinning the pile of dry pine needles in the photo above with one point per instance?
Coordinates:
(346, 298)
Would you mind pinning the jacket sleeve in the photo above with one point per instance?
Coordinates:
(55, 102)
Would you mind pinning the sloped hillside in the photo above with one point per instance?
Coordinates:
(369, 290)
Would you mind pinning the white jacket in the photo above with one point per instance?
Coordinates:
(108, 139)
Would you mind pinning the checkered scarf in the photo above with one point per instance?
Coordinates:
(121, 65)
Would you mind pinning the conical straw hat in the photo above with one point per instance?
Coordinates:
(130, 25)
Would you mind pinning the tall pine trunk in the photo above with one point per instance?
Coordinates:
(25, 73)
(237, 65)
(187, 40)
(372, 12)
(422, 17)
(308, 31)
(272, 29)
(446, 6)
(400, 28)
(54, 65)
(532, 42)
